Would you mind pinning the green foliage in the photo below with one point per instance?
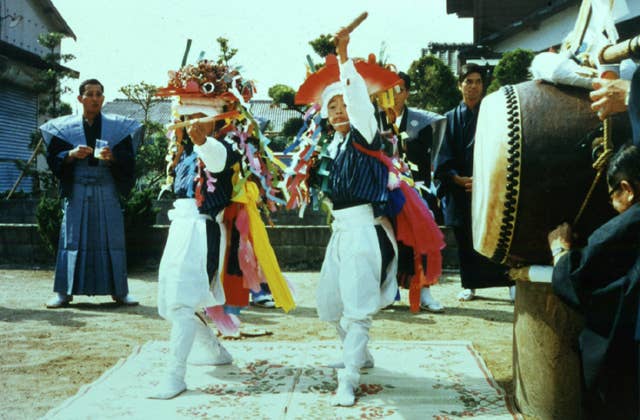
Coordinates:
(323, 45)
(433, 85)
(291, 127)
(279, 143)
(139, 212)
(47, 81)
(150, 158)
(282, 94)
(49, 218)
(142, 94)
(512, 68)
(226, 52)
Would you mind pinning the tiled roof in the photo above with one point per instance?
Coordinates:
(276, 115)
(161, 112)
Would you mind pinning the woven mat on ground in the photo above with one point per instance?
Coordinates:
(287, 380)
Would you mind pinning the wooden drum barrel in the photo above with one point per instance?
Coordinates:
(532, 171)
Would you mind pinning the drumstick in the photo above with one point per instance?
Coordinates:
(612, 54)
(356, 22)
(223, 116)
(353, 25)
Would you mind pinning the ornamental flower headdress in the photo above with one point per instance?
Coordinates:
(220, 92)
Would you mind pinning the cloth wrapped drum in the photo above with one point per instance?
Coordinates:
(534, 149)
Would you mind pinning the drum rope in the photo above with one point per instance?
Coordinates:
(600, 165)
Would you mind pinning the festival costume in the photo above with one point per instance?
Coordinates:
(91, 257)
(455, 157)
(412, 144)
(601, 281)
(218, 209)
(358, 275)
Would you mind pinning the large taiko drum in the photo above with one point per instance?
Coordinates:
(533, 169)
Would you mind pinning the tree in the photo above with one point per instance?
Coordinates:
(48, 81)
(226, 52)
(142, 94)
(291, 127)
(433, 85)
(323, 45)
(48, 85)
(150, 159)
(284, 95)
(512, 68)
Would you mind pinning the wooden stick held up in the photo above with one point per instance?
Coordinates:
(613, 54)
(356, 22)
(223, 116)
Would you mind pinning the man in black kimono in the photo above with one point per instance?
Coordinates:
(601, 281)
(453, 179)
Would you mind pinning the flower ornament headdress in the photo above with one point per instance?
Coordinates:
(218, 90)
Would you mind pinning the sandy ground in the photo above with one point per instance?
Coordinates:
(48, 354)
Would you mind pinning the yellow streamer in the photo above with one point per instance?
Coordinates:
(248, 195)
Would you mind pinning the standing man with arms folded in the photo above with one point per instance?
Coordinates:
(91, 256)
(453, 177)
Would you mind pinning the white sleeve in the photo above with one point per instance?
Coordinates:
(356, 98)
(213, 154)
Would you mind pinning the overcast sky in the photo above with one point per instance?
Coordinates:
(123, 42)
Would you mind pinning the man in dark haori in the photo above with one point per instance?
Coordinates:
(91, 256)
(453, 178)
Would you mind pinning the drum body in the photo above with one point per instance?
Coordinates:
(533, 169)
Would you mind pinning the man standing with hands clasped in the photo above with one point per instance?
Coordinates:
(91, 257)
(453, 177)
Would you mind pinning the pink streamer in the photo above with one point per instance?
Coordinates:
(227, 324)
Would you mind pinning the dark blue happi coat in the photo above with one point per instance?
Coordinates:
(91, 256)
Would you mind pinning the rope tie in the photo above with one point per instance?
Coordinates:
(600, 165)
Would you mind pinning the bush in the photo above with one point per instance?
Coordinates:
(139, 212)
(49, 218)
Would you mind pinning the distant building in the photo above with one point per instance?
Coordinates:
(21, 22)
(160, 112)
(535, 25)
(455, 55)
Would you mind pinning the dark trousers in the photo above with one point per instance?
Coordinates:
(477, 271)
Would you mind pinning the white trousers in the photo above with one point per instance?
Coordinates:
(183, 281)
(349, 290)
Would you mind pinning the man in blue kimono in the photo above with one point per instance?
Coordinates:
(91, 256)
(453, 179)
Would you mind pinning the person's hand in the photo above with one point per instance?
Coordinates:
(197, 133)
(560, 237)
(81, 152)
(465, 182)
(105, 154)
(608, 96)
(341, 40)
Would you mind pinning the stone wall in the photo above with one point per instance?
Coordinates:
(299, 243)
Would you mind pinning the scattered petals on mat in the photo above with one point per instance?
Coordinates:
(435, 380)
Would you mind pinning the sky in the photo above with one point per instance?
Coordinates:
(125, 42)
